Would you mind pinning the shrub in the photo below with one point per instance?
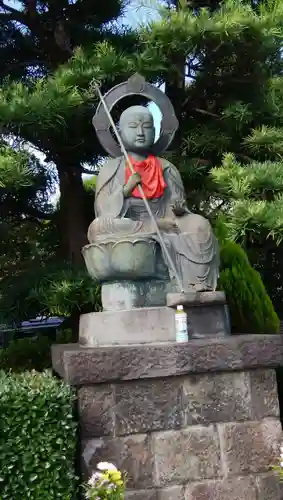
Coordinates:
(251, 309)
(56, 290)
(31, 353)
(37, 438)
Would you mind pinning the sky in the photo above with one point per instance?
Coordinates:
(141, 12)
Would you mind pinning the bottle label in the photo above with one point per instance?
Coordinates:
(181, 328)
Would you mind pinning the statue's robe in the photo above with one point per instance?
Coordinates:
(194, 249)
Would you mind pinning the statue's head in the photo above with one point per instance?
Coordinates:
(137, 129)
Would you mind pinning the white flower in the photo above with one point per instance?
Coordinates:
(281, 450)
(94, 479)
(281, 464)
(106, 466)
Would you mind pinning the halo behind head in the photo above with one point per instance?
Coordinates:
(136, 85)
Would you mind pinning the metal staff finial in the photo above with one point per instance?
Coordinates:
(171, 264)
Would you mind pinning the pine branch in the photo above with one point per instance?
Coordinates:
(14, 170)
(52, 101)
(183, 31)
(256, 218)
(255, 180)
(266, 139)
(205, 112)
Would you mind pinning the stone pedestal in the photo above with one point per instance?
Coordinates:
(122, 323)
(125, 295)
(197, 421)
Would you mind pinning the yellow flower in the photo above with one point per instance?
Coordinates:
(105, 475)
(115, 476)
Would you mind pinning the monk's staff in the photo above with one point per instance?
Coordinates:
(128, 160)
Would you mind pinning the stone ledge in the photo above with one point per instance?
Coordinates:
(86, 366)
(195, 299)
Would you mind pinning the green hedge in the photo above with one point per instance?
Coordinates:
(31, 353)
(37, 438)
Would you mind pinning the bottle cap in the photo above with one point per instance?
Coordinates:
(180, 308)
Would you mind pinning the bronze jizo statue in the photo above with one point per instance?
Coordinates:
(123, 240)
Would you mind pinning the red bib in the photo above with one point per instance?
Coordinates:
(151, 173)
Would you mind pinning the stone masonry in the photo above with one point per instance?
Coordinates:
(198, 421)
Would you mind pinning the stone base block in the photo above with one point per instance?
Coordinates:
(144, 325)
(208, 313)
(135, 326)
(127, 295)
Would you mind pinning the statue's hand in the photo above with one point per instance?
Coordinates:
(179, 207)
(132, 183)
(167, 225)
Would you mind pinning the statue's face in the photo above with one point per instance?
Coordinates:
(137, 129)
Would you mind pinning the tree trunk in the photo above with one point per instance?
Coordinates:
(175, 90)
(72, 212)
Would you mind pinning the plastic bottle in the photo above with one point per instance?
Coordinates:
(181, 325)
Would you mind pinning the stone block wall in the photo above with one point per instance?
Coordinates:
(189, 437)
(182, 430)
